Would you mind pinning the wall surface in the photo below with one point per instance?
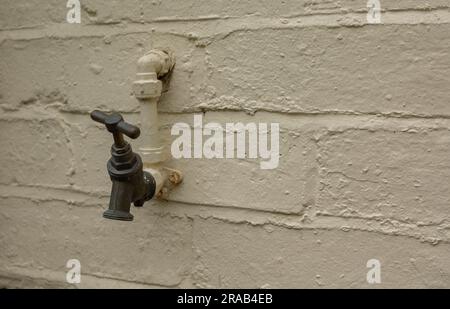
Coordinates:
(364, 171)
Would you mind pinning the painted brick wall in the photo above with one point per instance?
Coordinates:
(365, 143)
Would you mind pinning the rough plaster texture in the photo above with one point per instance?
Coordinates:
(365, 143)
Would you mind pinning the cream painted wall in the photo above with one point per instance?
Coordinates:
(365, 144)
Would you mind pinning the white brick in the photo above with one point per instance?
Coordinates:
(45, 235)
(374, 69)
(241, 182)
(86, 73)
(386, 173)
(248, 256)
(33, 13)
(34, 152)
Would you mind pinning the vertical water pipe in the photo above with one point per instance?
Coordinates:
(147, 89)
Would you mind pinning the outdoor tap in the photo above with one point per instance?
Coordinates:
(130, 183)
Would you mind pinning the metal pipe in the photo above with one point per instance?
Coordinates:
(148, 89)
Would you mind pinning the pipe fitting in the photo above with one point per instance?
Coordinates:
(158, 61)
(150, 67)
(148, 88)
(152, 70)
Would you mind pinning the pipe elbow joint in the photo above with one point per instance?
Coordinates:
(156, 61)
(150, 67)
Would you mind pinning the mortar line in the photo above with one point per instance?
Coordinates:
(231, 25)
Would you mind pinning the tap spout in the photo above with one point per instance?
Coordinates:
(130, 184)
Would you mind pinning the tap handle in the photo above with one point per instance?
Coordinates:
(116, 125)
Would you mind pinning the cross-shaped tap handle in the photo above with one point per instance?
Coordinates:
(117, 126)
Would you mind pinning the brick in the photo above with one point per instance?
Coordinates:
(247, 256)
(339, 70)
(34, 152)
(191, 9)
(35, 13)
(242, 182)
(152, 249)
(326, 71)
(385, 173)
(31, 13)
(86, 73)
(222, 182)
